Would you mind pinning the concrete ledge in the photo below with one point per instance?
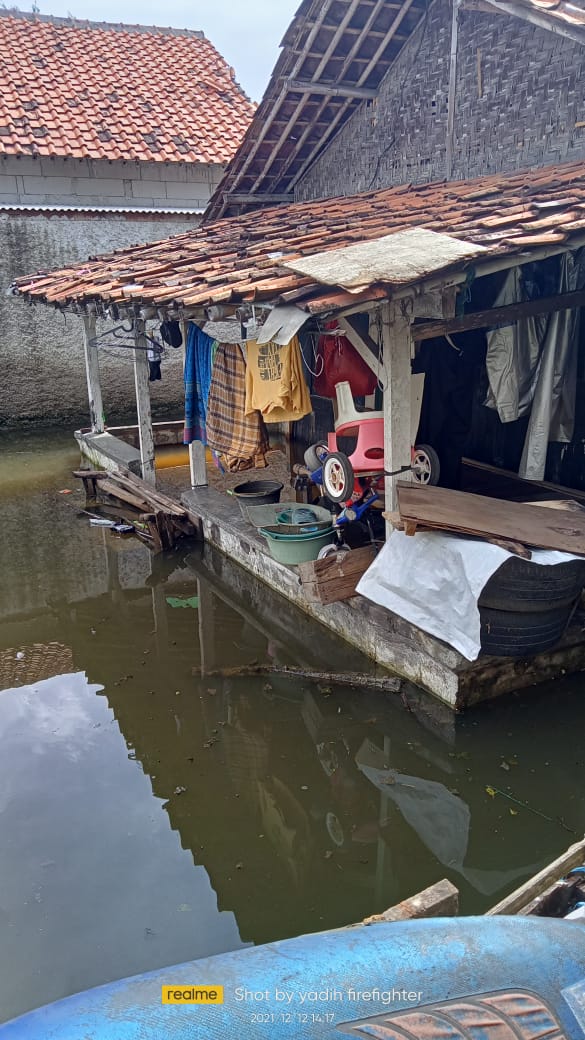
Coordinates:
(386, 638)
(102, 449)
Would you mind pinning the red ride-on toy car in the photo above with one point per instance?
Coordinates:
(345, 477)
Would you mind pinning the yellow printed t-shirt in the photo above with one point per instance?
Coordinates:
(275, 383)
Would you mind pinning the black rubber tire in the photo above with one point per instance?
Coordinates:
(343, 467)
(435, 465)
(312, 460)
(506, 633)
(520, 585)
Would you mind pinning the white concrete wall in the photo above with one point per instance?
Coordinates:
(30, 181)
(42, 368)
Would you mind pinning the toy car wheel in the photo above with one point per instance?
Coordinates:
(315, 455)
(426, 468)
(338, 477)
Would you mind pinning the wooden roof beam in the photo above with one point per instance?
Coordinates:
(528, 14)
(268, 123)
(320, 145)
(305, 134)
(354, 4)
(386, 40)
(498, 315)
(245, 199)
(389, 35)
(337, 35)
(330, 89)
(366, 30)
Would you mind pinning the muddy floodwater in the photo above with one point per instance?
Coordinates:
(151, 813)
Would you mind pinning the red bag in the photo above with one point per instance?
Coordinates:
(341, 361)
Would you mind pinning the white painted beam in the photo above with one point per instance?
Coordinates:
(397, 344)
(92, 372)
(141, 372)
(363, 344)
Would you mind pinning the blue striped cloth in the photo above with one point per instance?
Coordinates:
(199, 354)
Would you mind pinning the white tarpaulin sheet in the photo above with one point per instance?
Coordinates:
(434, 580)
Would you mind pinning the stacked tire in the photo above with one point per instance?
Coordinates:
(525, 607)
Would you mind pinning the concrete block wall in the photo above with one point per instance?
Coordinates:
(519, 97)
(41, 350)
(29, 181)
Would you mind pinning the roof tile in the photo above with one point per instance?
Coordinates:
(100, 78)
(242, 258)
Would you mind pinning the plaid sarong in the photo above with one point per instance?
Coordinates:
(240, 440)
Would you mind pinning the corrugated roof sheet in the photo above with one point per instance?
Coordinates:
(64, 211)
(92, 90)
(241, 259)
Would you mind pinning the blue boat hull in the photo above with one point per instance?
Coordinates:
(530, 973)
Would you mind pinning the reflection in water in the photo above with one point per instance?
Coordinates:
(151, 813)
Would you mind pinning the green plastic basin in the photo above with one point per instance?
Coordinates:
(297, 548)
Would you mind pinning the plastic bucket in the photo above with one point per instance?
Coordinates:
(256, 493)
(292, 549)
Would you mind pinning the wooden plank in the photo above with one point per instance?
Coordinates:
(517, 900)
(92, 373)
(110, 488)
(507, 484)
(356, 561)
(443, 509)
(439, 900)
(499, 315)
(305, 86)
(334, 579)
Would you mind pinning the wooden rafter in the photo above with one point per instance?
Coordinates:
(283, 93)
(510, 313)
(336, 38)
(337, 35)
(330, 67)
(367, 28)
(385, 41)
(331, 89)
(543, 19)
(364, 76)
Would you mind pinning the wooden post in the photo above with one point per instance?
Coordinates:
(397, 342)
(452, 91)
(145, 433)
(92, 372)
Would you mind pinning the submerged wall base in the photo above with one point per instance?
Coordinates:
(388, 639)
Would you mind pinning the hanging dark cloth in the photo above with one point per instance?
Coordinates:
(199, 354)
(445, 422)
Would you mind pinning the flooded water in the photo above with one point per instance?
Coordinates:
(152, 813)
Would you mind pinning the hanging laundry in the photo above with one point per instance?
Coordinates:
(275, 382)
(337, 361)
(199, 353)
(153, 365)
(240, 439)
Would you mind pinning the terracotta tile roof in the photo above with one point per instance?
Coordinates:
(98, 91)
(241, 259)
